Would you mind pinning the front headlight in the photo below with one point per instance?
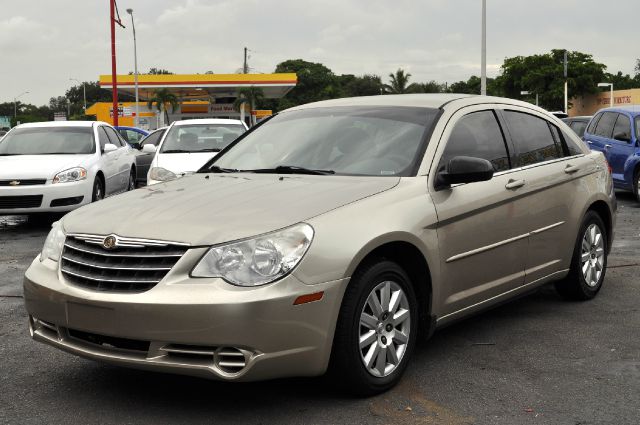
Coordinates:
(53, 244)
(70, 175)
(161, 174)
(257, 261)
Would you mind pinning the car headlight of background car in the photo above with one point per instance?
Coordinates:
(52, 248)
(257, 261)
(71, 175)
(161, 174)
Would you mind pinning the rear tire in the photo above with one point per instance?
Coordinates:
(98, 190)
(589, 262)
(376, 331)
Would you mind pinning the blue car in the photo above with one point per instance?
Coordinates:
(132, 135)
(616, 132)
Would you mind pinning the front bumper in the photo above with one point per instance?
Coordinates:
(50, 192)
(187, 325)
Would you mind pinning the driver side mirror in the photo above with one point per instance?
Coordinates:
(464, 169)
(109, 147)
(149, 148)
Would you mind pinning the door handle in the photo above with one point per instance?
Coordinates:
(590, 142)
(607, 146)
(569, 169)
(514, 184)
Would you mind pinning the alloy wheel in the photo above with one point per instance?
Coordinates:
(592, 255)
(132, 181)
(385, 323)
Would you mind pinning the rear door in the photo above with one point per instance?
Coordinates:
(481, 226)
(552, 188)
(621, 146)
(602, 132)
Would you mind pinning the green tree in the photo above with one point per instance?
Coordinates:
(161, 98)
(366, 85)
(472, 86)
(251, 96)
(622, 81)
(399, 83)
(315, 82)
(543, 74)
(429, 87)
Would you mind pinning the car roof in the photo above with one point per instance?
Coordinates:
(207, 121)
(60, 124)
(632, 109)
(424, 100)
(125, 127)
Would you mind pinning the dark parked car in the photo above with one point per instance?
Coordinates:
(616, 132)
(132, 135)
(143, 159)
(578, 124)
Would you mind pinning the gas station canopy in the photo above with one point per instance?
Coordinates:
(202, 86)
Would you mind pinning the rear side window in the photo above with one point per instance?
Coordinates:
(604, 128)
(532, 138)
(638, 127)
(477, 135)
(622, 129)
(592, 124)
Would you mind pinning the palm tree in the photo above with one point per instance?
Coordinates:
(250, 95)
(399, 83)
(160, 98)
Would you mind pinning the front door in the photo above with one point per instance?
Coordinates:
(621, 147)
(481, 226)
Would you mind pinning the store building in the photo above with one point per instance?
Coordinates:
(589, 105)
(199, 96)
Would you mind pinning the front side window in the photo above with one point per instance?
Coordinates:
(604, 128)
(591, 128)
(131, 136)
(579, 127)
(477, 135)
(532, 138)
(352, 140)
(48, 141)
(622, 128)
(638, 127)
(102, 137)
(200, 137)
(114, 138)
(153, 138)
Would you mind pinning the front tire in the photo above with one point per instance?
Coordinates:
(132, 180)
(589, 262)
(98, 190)
(636, 185)
(376, 330)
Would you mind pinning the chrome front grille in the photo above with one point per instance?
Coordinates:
(116, 264)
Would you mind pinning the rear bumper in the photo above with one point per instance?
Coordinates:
(49, 192)
(206, 318)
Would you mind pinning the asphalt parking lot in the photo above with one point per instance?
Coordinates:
(536, 360)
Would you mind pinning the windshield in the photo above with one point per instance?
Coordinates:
(200, 137)
(373, 140)
(48, 141)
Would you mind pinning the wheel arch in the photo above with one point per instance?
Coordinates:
(408, 256)
(602, 209)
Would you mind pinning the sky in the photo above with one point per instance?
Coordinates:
(44, 43)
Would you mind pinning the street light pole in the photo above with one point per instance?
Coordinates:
(84, 92)
(610, 85)
(483, 66)
(15, 104)
(136, 119)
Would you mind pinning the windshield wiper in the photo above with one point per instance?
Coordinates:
(9, 154)
(216, 169)
(175, 151)
(208, 150)
(291, 169)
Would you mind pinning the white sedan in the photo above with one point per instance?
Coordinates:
(189, 144)
(59, 166)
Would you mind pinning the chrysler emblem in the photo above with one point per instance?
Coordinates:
(14, 182)
(109, 242)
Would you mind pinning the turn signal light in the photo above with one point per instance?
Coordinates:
(308, 298)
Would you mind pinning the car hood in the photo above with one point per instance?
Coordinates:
(205, 209)
(38, 166)
(183, 162)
